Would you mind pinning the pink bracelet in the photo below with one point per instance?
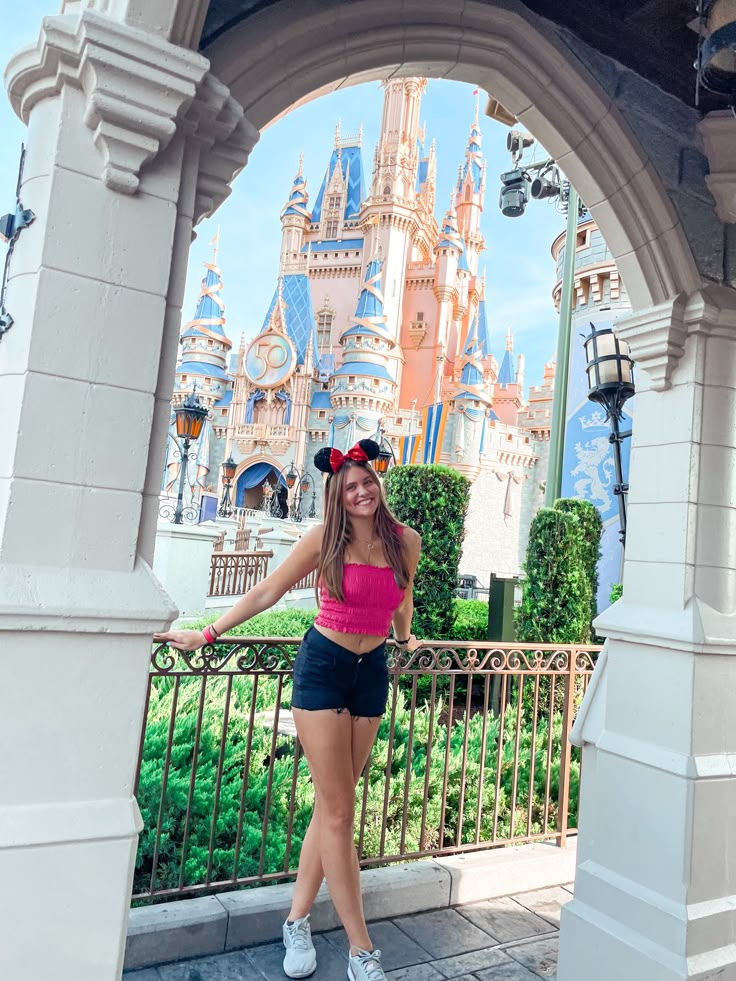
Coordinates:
(209, 635)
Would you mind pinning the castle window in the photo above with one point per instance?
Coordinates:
(331, 229)
(334, 202)
(320, 415)
(420, 317)
(387, 190)
(467, 192)
(351, 379)
(324, 330)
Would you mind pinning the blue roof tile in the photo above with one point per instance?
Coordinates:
(298, 311)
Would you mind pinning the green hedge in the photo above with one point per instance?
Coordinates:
(591, 528)
(433, 500)
(556, 594)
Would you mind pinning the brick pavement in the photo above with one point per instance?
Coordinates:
(509, 939)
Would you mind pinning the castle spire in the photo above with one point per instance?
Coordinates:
(471, 384)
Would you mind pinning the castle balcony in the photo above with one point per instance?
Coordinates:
(250, 436)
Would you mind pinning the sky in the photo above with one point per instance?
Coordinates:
(519, 268)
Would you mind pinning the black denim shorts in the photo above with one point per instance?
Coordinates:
(329, 676)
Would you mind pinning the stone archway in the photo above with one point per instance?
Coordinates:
(128, 124)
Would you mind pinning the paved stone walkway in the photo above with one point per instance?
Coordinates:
(509, 939)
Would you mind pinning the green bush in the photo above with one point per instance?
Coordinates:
(293, 622)
(591, 529)
(244, 813)
(471, 620)
(617, 591)
(434, 501)
(555, 606)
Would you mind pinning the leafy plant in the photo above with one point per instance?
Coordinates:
(591, 528)
(556, 592)
(434, 501)
(617, 591)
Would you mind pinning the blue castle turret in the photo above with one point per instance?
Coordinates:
(363, 389)
(205, 345)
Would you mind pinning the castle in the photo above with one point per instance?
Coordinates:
(378, 327)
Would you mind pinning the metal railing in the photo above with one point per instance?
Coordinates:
(234, 573)
(473, 752)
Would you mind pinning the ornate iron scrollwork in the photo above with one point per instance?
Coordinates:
(11, 225)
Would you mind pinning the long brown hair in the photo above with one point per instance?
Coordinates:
(338, 534)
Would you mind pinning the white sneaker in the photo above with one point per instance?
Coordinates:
(365, 966)
(301, 958)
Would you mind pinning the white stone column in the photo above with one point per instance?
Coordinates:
(118, 119)
(655, 891)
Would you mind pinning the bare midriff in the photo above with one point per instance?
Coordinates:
(357, 643)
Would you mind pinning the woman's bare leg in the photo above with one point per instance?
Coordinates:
(336, 749)
(311, 874)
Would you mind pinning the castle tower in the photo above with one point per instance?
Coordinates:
(363, 389)
(508, 395)
(470, 195)
(205, 346)
(448, 252)
(295, 217)
(391, 213)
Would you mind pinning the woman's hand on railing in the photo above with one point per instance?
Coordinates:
(182, 640)
(412, 644)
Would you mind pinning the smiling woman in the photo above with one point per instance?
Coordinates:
(365, 562)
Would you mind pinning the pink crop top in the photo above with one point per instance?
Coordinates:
(371, 599)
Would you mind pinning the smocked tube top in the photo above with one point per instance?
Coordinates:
(371, 599)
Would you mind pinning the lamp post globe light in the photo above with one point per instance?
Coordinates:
(190, 416)
(228, 467)
(611, 384)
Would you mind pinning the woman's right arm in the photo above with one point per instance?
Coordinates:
(303, 559)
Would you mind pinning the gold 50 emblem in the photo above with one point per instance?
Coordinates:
(270, 360)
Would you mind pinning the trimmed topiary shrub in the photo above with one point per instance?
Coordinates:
(591, 529)
(434, 501)
(556, 601)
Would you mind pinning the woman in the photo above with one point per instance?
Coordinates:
(365, 562)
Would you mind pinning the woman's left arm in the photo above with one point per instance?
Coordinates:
(404, 614)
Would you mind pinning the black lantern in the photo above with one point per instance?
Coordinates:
(291, 476)
(610, 370)
(302, 481)
(229, 467)
(190, 416)
(611, 384)
(385, 457)
(716, 62)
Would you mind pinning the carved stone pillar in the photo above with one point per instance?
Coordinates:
(130, 142)
(656, 876)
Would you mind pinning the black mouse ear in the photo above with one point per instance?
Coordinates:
(370, 447)
(322, 459)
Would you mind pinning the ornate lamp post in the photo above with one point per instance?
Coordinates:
(611, 384)
(190, 416)
(229, 467)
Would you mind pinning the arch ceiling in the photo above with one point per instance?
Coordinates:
(275, 53)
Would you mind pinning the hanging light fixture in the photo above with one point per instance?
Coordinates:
(385, 457)
(716, 61)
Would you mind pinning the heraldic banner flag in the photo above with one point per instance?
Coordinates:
(434, 419)
(409, 449)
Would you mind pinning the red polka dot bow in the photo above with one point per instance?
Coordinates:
(356, 453)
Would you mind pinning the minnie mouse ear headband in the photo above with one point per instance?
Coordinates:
(329, 460)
